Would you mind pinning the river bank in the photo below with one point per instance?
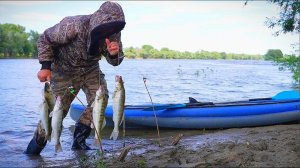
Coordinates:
(270, 146)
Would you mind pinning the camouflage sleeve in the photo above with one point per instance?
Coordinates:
(114, 60)
(60, 34)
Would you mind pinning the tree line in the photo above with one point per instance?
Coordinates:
(15, 42)
(148, 51)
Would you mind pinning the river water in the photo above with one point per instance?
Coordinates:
(169, 81)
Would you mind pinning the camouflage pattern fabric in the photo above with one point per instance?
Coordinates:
(88, 82)
(66, 45)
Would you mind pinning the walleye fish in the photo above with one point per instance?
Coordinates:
(57, 119)
(46, 107)
(118, 106)
(49, 96)
(99, 107)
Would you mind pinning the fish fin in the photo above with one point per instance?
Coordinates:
(41, 106)
(49, 138)
(58, 147)
(114, 135)
(103, 124)
(45, 139)
(51, 114)
(121, 121)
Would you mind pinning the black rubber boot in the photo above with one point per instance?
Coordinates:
(38, 142)
(34, 148)
(80, 134)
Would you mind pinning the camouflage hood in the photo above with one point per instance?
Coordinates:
(107, 20)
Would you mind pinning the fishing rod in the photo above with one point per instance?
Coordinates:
(157, 128)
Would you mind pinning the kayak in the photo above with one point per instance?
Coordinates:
(282, 108)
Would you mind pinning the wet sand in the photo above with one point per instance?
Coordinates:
(269, 146)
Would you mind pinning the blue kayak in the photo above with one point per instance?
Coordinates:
(282, 108)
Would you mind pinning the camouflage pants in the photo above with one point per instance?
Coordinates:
(89, 82)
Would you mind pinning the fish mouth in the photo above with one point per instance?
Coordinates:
(47, 87)
(118, 78)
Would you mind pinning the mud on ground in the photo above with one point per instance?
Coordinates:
(269, 146)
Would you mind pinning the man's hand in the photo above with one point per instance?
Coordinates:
(44, 75)
(112, 47)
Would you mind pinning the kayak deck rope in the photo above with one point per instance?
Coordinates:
(144, 79)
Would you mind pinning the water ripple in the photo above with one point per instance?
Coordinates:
(169, 81)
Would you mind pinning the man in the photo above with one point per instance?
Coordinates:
(69, 53)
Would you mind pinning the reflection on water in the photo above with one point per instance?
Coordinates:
(169, 81)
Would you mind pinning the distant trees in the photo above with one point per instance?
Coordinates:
(33, 38)
(148, 51)
(289, 22)
(291, 63)
(16, 43)
(273, 54)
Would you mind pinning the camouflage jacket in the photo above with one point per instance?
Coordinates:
(78, 42)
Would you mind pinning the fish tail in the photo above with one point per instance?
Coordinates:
(121, 121)
(58, 148)
(48, 137)
(114, 135)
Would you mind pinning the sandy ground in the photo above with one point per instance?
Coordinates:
(269, 146)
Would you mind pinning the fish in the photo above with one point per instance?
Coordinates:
(56, 123)
(99, 107)
(48, 101)
(49, 96)
(118, 106)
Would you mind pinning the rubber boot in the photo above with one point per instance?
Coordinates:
(34, 148)
(38, 142)
(80, 134)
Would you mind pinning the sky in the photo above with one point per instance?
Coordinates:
(222, 26)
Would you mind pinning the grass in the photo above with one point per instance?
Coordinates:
(141, 163)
